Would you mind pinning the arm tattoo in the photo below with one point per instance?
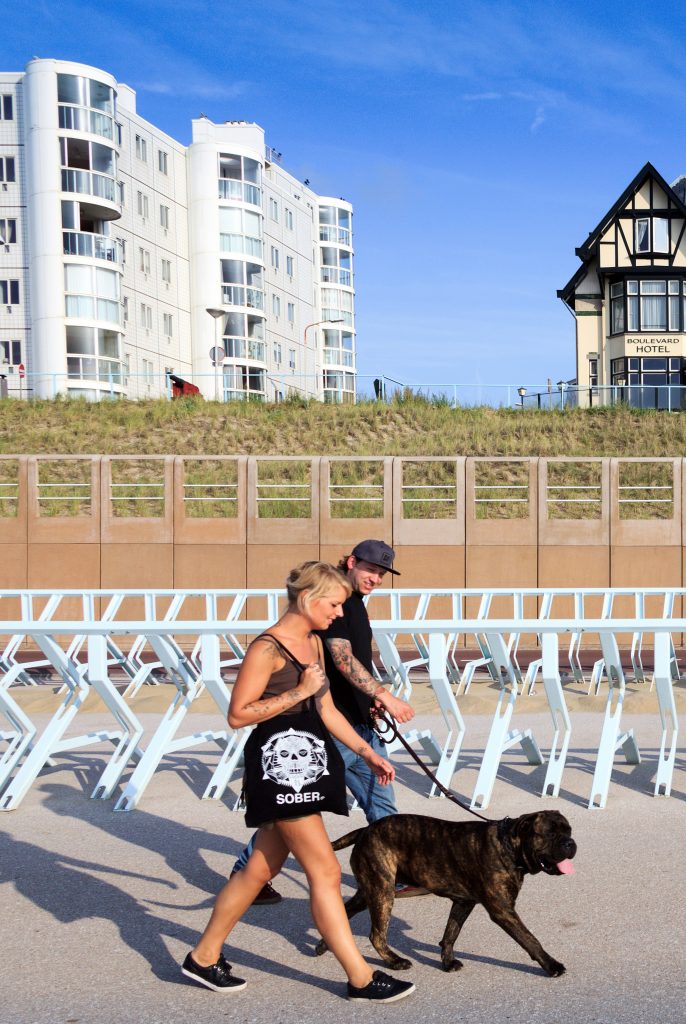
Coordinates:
(348, 665)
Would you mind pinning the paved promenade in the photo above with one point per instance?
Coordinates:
(98, 908)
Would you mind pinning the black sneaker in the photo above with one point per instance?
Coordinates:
(217, 976)
(381, 989)
(266, 896)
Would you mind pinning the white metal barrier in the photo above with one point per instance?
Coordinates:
(191, 674)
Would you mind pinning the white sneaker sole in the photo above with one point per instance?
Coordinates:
(215, 988)
(390, 999)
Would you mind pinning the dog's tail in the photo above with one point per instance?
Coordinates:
(347, 840)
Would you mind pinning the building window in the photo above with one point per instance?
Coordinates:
(593, 373)
(275, 258)
(166, 271)
(8, 231)
(145, 318)
(276, 305)
(121, 193)
(142, 205)
(127, 368)
(240, 231)
(290, 312)
(125, 308)
(168, 324)
(11, 352)
(289, 266)
(239, 178)
(143, 261)
(291, 358)
(288, 219)
(648, 305)
(162, 163)
(7, 169)
(6, 109)
(141, 148)
(277, 353)
(147, 371)
(9, 293)
(334, 225)
(651, 234)
(274, 209)
(164, 217)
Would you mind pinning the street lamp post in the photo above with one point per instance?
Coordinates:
(216, 315)
(316, 323)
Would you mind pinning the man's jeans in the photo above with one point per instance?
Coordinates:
(375, 800)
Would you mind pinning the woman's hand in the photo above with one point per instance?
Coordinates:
(311, 680)
(383, 769)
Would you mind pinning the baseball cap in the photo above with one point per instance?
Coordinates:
(377, 552)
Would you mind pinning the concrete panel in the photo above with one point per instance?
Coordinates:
(489, 566)
(572, 531)
(427, 531)
(336, 498)
(645, 567)
(63, 567)
(138, 566)
(208, 567)
(501, 531)
(14, 498)
(645, 532)
(51, 529)
(580, 566)
(221, 471)
(282, 530)
(138, 529)
(13, 568)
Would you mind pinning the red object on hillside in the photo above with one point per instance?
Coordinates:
(181, 388)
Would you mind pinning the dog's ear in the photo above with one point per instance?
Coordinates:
(521, 832)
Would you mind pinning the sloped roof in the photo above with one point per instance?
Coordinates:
(585, 251)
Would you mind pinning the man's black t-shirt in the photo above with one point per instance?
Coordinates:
(354, 627)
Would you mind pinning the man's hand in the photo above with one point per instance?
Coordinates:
(398, 709)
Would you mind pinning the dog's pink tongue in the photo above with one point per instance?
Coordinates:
(565, 867)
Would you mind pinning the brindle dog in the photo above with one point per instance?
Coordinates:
(467, 862)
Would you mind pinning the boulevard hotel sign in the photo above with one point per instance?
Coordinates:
(651, 346)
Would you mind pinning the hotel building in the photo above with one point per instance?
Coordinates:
(629, 298)
(126, 256)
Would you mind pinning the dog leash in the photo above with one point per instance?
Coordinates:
(390, 728)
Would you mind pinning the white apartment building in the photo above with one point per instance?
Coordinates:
(126, 257)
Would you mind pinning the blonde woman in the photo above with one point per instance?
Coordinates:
(293, 772)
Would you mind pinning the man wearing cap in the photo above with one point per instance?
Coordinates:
(354, 690)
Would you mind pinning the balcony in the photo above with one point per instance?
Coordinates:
(332, 233)
(99, 247)
(336, 275)
(237, 295)
(82, 119)
(89, 183)
(242, 348)
(338, 357)
(242, 191)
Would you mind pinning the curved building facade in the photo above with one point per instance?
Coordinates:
(126, 257)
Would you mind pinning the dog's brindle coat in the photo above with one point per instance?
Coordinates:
(467, 862)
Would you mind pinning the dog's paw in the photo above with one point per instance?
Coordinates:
(320, 948)
(554, 969)
(452, 965)
(399, 963)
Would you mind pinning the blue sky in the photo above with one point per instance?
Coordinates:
(479, 142)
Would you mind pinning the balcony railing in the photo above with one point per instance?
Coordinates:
(243, 191)
(88, 183)
(336, 275)
(242, 348)
(332, 233)
(245, 244)
(91, 369)
(99, 247)
(237, 295)
(338, 357)
(81, 119)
